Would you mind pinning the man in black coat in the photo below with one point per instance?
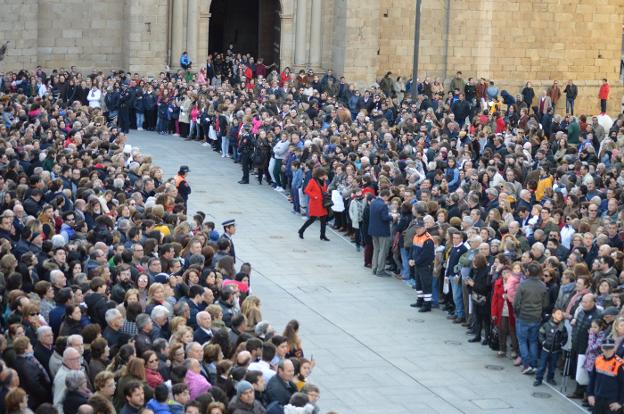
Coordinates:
(280, 387)
(34, 379)
(143, 340)
(203, 333)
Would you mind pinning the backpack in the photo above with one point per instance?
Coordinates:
(408, 235)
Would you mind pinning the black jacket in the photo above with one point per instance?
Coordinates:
(34, 380)
(553, 336)
(580, 330)
(73, 400)
(278, 390)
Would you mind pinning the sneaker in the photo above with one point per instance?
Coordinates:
(205, 144)
(279, 189)
(139, 129)
(222, 156)
(552, 382)
(537, 383)
(527, 371)
(517, 361)
(176, 135)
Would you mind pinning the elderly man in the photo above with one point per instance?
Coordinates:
(58, 279)
(34, 378)
(280, 387)
(193, 379)
(112, 333)
(580, 333)
(43, 349)
(194, 350)
(203, 333)
(71, 362)
(143, 339)
(160, 319)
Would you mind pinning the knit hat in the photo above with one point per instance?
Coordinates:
(243, 386)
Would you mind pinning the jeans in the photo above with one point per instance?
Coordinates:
(570, 106)
(140, 118)
(225, 146)
(456, 285)
(435, 299)
(404, 263)
(527, 342)
(603, 106)
(162, 124)
(547, 360)
(381, 246)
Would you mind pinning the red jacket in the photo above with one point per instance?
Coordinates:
(497, 304)
(604, 91)
(315, 205)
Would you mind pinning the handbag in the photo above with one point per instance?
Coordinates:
(327, 200)
(582, 376)
(212, 134)
(494, 339)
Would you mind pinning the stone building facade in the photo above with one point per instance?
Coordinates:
(508, 41)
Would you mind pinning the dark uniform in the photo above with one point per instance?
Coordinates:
(225, 235)
(606, 381)
(246, 149)
(423, 254)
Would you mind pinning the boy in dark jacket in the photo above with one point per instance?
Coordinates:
(552, 336)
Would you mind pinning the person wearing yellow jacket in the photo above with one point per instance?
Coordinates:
(545, 181)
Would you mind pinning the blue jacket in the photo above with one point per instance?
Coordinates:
(297, 179)
(157, 407)
(380, 218)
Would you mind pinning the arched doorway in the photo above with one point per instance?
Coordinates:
(250, 26)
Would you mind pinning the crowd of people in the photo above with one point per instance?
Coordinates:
(491, 206)
(114, 299)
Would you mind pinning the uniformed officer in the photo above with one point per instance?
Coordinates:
(229, 229)
(184, 189)
(421, 259)
(246, 148)
(605, 392)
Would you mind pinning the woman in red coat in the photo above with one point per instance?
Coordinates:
(315, 189)
(503, 316)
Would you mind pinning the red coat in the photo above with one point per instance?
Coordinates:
(497, 304)
(604, 91)
(315, 205)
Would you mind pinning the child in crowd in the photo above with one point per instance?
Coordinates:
(296, 184)
(553, 336)
(597, 334)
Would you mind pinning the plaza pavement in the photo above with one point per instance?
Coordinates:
(374, 353)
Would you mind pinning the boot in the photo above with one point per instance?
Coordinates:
(418, 304)
(426, 307)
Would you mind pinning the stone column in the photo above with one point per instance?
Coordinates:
(300, 33)
(178, 32)
(192, 31)
(316, 33)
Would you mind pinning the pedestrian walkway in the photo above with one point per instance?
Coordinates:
(374, 353)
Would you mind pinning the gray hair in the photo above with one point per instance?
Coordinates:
(55, 275)
(180, 308)
(159, 311)
(42, 330)
(142, 320)
(111, 315)
(74, 380)
(188, 363)
(72, 338)
(476, 239)
(190, 346)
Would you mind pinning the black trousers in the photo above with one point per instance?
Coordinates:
(424, 281)
(264, 170)
(245, 163)
(603, 105)
(482, 318)
(311, 220)
(124, 119)
(602, 406)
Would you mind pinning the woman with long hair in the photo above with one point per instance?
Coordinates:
(291, 333)
(133, 371)
(316, 189)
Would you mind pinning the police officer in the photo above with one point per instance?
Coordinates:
(229, 229)
(421, 259)
(184, 189)
(246, 148)
(124, 109)
(605, 392)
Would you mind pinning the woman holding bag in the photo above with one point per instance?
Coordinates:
(319, 203)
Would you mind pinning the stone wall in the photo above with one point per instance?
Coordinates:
(145, 36)
(18, 25)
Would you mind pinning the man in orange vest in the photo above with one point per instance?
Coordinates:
(421, 259)
(605, 392)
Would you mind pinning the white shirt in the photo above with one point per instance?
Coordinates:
(264, 367)
(94, 98)
(567, 232)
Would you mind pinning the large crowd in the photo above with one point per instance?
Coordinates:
(490, 204)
